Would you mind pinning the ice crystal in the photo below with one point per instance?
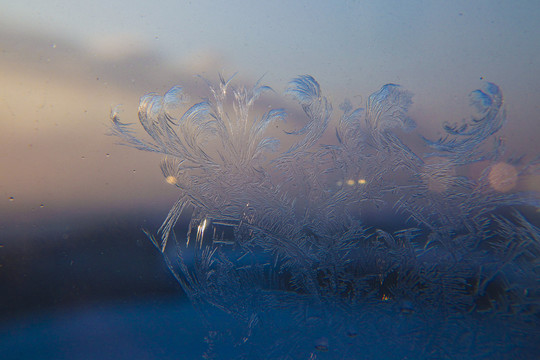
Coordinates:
(285, 249)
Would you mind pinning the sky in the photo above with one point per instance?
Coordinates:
(350, 41)
(436, 49)
(54, 110)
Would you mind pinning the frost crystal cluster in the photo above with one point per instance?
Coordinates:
(346, 243)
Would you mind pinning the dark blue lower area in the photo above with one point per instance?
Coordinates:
(152, 330)
(90, 289)
(172, 329)
(104, 292)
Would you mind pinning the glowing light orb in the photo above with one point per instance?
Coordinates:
(171, 180)
(503, 177)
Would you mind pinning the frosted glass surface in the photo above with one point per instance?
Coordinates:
(307, 179)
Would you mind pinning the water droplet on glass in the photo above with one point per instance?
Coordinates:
(406, 307)
(321, 344)
(11, 198)
(351, 331)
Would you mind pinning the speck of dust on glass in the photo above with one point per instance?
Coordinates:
(282, 255)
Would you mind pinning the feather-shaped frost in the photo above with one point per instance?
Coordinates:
(462, 143)
(317, 108)
(387, 108)
(357, 244)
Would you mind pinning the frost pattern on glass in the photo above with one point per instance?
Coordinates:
(282, 246)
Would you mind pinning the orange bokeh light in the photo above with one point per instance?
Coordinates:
(503, 177)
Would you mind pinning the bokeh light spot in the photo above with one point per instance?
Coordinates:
(503, 177)
(171, 180)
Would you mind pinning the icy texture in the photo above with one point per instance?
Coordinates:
(283, 254)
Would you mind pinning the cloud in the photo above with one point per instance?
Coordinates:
(119, 46)
(202, 61)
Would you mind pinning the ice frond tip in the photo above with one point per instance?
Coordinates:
(126, 133)
(489, 96)
(387, 108)
(305, 89)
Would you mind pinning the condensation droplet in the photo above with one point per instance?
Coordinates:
(11, 198)
(351, 331)
(107, 155)
(322, 344)
(406, 307)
